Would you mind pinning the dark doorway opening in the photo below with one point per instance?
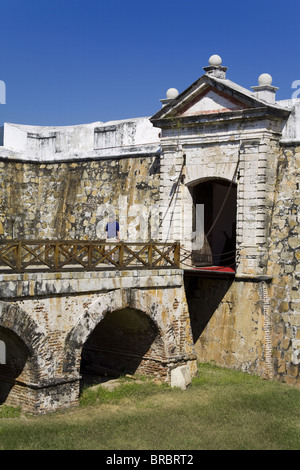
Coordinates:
(16, 356)
(219, 198)
(125, 342)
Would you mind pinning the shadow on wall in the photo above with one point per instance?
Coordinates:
(1, 135)
(16, 357)
(204, 295)
(118, 344)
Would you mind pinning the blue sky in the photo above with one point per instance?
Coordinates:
(77, 61)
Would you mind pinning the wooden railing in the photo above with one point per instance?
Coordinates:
(73, 255)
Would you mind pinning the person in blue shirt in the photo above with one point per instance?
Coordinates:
(112, 233)
(112, 230)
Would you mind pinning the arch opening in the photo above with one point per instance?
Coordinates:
(219, 200)
(14, 365)
(125, 341)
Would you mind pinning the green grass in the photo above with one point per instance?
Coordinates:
(9, 412)
(222, 409)
(129, 389)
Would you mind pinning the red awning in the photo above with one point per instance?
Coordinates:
(211, 271)
(223, 269)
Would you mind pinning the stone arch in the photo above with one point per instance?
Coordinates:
(14, 363)
(211, 161)
(114, 300)
(125, 341)
(204, 179)
(139, 300)
(27, 355)
(24, 327)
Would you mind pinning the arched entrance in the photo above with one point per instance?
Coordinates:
(218, 198)
(16, 357)
(125, 341)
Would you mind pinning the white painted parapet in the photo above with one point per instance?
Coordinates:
(94, 140)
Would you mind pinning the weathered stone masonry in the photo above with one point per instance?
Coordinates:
(140, 318)
(54, 318)
(284, 255)
(214, 140)
(72, 200)
(249, 321)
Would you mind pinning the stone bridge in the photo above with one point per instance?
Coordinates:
(60, 328)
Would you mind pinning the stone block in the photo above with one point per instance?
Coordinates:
(180, 377)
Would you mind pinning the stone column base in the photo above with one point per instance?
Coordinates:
(39, 399)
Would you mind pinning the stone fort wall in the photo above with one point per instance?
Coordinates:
(284, 266)
(251, 324)
(73, 200)
(242, 324)
(249, 321)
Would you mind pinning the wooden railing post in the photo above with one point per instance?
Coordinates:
(18, 256)
(121, 255)
(177, 255)
(150, 254)
(90, 248)
(56, 252)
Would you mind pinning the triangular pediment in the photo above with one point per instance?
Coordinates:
(210, 100)
(210, 96)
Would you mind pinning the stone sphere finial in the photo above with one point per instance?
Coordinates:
(215, 60)
(172, 93)
(265, 79)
